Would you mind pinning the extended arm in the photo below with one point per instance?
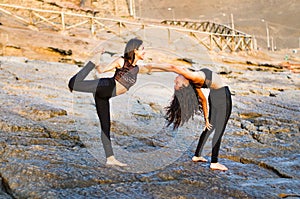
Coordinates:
(181, 70)
(117, 63)
(154, 67)
(204, 108)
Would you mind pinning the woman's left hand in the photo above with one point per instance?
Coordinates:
(149, 68)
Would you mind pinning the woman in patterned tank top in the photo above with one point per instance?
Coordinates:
(103, 89)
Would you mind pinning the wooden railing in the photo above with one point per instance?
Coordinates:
(220, 36)
(212, 36)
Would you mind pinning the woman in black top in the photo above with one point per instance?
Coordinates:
(188, 99)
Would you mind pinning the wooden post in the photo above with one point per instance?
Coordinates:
(133, 7)
(272, 44)
(130, 8)
(254, 44)
(30, 18)
(232, 24)
(63, 21)
(93, 30)
(233, 43)
(211, 42)
(268, 36)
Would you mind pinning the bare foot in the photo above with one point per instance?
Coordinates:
(218, 166)
(112, 161)
(199, 159)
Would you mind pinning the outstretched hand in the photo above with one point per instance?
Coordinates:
(149, 68)
(96, 56)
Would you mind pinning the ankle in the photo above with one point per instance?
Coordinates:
(110, 158)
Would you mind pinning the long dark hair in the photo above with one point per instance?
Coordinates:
(183, 106)
(131, 45)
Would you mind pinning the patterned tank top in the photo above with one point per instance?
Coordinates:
(127, 75)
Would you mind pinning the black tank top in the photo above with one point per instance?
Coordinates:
(208, 77)
(126, 75)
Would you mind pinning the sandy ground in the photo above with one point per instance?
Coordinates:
(18, 39)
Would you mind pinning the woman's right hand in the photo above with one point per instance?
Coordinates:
(96, 56)
(207, 124)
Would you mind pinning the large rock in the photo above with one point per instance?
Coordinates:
(50, 144)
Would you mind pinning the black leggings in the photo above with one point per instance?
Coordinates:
(103, 89)
(220, 106)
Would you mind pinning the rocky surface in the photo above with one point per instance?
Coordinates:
(49, 138)
(50, 145)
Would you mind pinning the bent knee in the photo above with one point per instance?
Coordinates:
(71, 83)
